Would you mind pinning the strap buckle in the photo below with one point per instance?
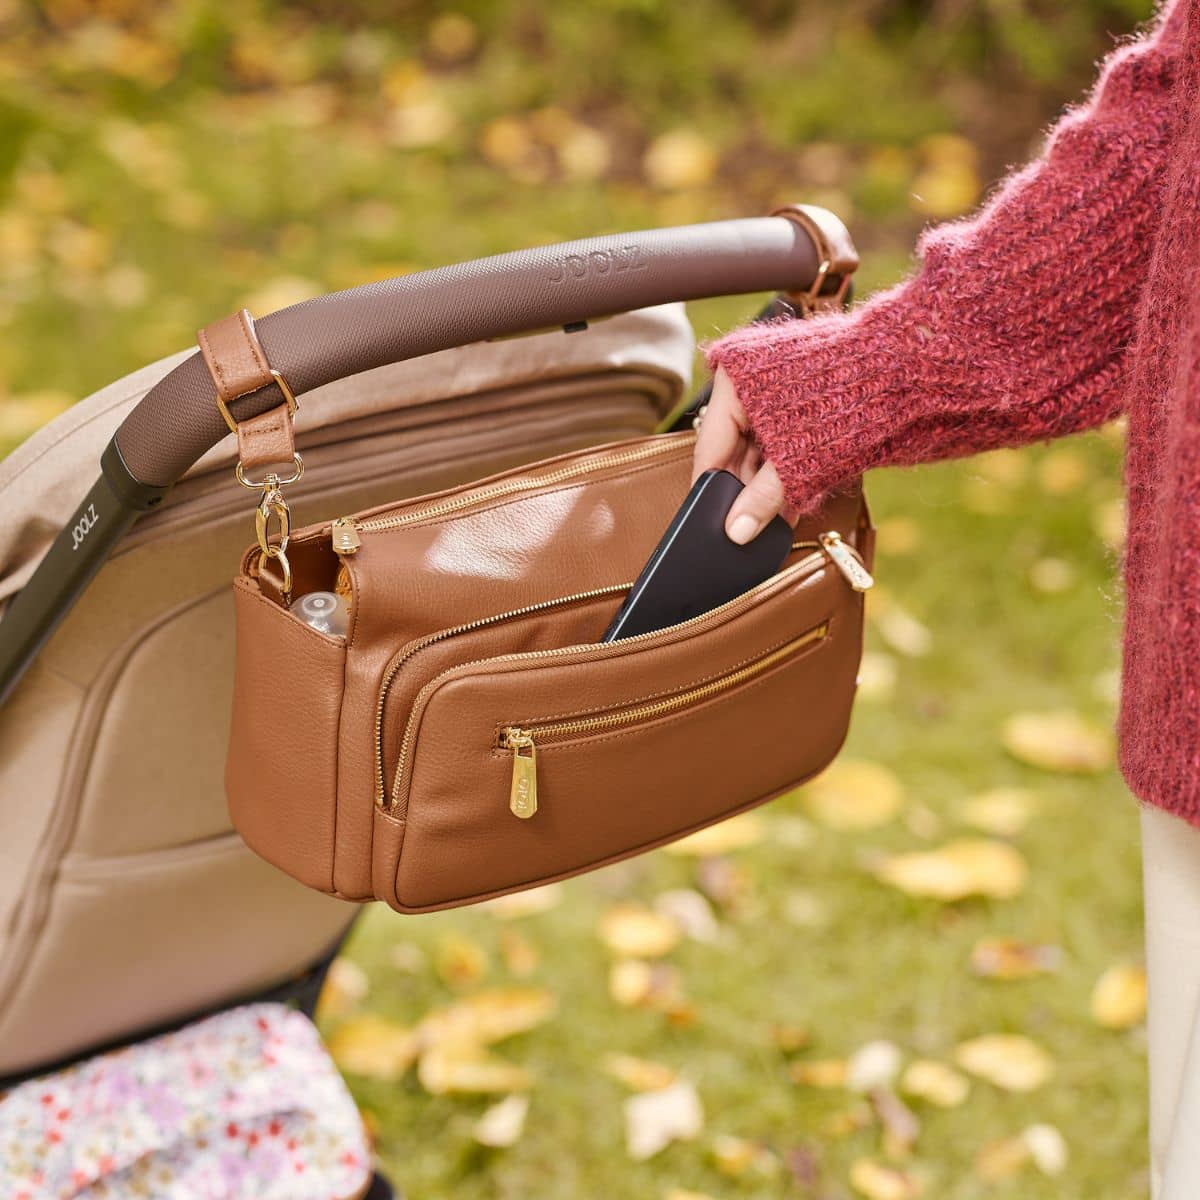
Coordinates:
(238, 365)
(836, 255)
(293, 405)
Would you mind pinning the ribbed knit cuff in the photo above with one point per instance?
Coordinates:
(822, 393)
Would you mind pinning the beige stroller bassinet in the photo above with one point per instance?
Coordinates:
(127, 902)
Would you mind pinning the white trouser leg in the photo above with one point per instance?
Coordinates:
(1171, 874)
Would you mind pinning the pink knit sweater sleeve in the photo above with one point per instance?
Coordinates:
(1015, 327)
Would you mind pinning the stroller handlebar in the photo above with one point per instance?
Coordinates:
(800, 250)
(344, 333)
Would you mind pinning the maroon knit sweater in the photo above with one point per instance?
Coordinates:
(1073, 295)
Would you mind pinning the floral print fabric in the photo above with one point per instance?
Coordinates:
(245, 1105)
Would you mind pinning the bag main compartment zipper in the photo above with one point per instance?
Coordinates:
(523, 741)
(346, 531)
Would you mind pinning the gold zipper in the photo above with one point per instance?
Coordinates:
(523, 741)
(346, 531)
(796, 571)
(414, 647)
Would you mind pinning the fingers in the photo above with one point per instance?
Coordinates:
(722, 432)
(723, 443)
(760, 500)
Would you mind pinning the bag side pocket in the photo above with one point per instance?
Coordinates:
(281, 771)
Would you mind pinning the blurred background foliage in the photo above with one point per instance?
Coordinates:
(160, 162)
(164, 163)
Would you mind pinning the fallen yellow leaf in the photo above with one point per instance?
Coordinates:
(526, 904)
(848, 1122)
(503, 1123)
(819, 1072)
(1010, 1061)
(630, 982)
(633, 983)
(520, 954)
(691, 912)
(653, 1120)
(633, 931)
(1001, 1159)
(1002, 811)
(736, 833)
(1007, 958)
(1119, 997)
(790, 1038)
(878, 1182)
(968, 867)
(1048, 1148)
(489, 1016)
(460, 961)
(852, 795)
(466, 1068)
(872, 1066)
(935, 1082)
(735, 1156)
(374, 1047)
(902, 631)
(1059, 741)
(638, 1074)
(1043, 1145)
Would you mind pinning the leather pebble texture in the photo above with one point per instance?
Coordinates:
(469, 737)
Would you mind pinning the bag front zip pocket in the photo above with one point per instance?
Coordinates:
(523, 741)
(406, 655)
(828, 549)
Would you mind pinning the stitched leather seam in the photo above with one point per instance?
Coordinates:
(257, 596)
(253, 345)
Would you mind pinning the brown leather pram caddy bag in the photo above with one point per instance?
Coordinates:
(467, 736)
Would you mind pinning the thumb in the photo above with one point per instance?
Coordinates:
(760, 500)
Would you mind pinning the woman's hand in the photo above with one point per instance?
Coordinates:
(726, 443)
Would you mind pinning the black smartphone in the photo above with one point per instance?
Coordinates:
(696, 567)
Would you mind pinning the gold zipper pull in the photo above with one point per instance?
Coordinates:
(846, 561)
(522, 798)
(345, 536)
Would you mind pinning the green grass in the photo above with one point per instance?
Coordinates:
(883, 966)
(224, 155)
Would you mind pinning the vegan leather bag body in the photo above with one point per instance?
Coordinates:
(467, 736)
